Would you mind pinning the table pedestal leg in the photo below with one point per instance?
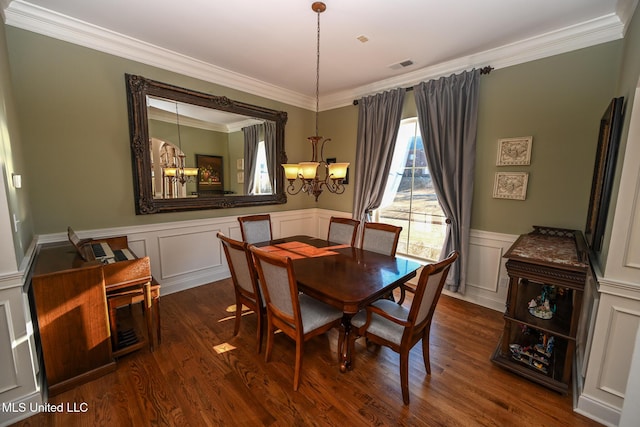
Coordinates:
(344, 349)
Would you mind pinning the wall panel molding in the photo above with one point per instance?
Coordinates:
(9, 367)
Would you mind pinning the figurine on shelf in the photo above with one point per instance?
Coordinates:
(543, 306)
(546, 346)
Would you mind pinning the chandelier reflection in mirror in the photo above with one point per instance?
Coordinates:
(307, 172)
(174, 170)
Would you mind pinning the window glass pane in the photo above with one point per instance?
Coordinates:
(410, 199)
(420, 157)
(261, 181)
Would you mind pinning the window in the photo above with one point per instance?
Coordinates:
(261, 181)
(410, 200)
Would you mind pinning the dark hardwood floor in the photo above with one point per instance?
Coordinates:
(187, 382)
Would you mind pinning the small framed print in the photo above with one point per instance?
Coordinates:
(210, 174)
(510, 185)
(514, 151)
(240, 177)
(240, 164)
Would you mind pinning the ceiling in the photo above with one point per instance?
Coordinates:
(269, 48)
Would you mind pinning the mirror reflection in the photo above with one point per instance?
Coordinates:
(203, 151)
(200, 152)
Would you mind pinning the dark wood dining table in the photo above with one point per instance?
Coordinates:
(343, 276)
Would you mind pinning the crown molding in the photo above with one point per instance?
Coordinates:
(26, 16)
(586, 34)
(624, 10)
(39, 20)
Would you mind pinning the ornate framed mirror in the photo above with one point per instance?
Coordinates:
(192, 150)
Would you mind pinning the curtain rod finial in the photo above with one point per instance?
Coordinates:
(486, 70)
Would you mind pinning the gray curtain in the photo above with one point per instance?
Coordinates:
(251, 141)
(448, 118)
(378, 123)
(270, 151)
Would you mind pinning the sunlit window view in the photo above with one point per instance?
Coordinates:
(410, 200)
(261, 181)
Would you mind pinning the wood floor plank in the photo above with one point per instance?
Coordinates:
(186, 382)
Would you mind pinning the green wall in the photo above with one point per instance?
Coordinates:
(12, 161)
(557, 100)
(72, 110)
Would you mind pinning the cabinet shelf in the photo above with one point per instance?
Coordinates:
(563, 302)
(547, 268)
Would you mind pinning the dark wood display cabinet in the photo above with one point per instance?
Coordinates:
(547, 271)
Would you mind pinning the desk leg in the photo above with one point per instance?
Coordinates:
(345, 344)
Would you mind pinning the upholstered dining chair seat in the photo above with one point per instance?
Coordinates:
(316, 313)
(380, 326)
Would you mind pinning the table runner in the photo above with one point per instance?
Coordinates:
(297, 250)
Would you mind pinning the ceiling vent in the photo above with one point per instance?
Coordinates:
(402, 64)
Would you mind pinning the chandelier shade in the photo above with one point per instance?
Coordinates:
(338, 170)
(307, 174)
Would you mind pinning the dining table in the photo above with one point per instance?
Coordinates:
(342, 276)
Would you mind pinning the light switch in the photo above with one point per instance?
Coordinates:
(17, 180)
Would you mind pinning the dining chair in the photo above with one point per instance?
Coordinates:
(399, 328)
(255, 228)
(245, 283)
(408, 286)
(297, 315)
(381, 238)
(343, 230)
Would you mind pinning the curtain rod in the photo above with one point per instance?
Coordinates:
(483, 70)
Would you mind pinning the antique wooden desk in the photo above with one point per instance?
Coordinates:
(345, 277)
(547, 271)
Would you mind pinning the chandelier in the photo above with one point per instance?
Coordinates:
(176, 171)
(307, 172)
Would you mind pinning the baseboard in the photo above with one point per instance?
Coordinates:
(12, 412)
(478, 300)
(598, 411)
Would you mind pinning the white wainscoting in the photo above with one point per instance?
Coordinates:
(487, 279)
(19, 385)
(611, 354)
(185, 254)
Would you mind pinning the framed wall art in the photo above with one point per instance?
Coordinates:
(510, 185)
(514, 151)
(210, 173)
(603, 173)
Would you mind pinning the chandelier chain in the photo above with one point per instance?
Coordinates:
(178, 123)
(318, 72)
